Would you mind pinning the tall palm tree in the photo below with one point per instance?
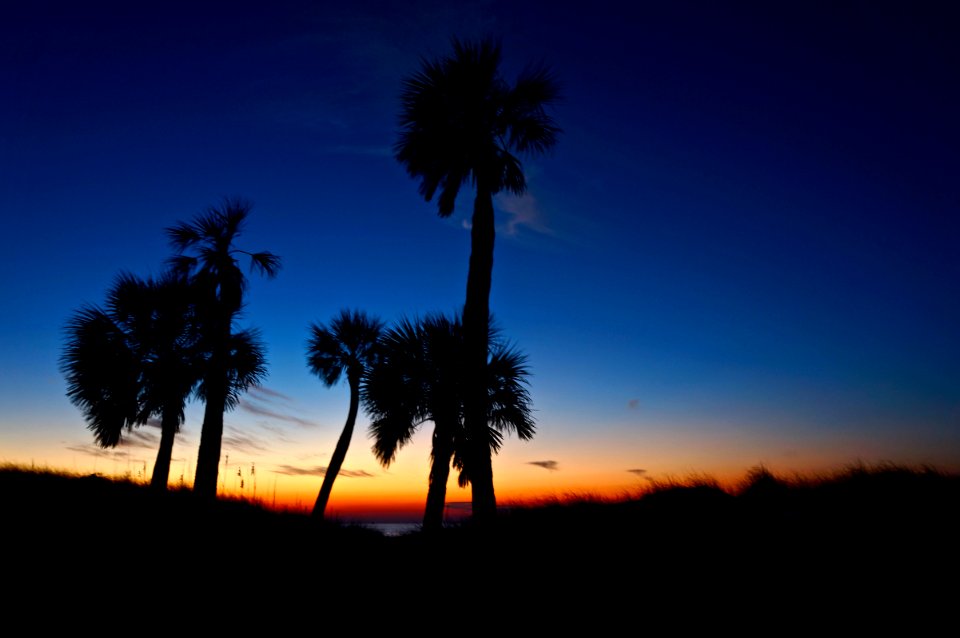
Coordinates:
(134, 360)
(462, 122)
(419, 377)
(348, 346)
(207, 254)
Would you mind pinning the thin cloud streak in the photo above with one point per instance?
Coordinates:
(92, 450)
(319, 470)
(547, 465)
(276, 433)
(253, 408)
(268, 395)
(140, 439)
(238, 441)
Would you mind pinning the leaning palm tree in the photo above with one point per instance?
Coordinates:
(348, 347)
(135, 360)
(419, 377)
(462, 122)
(207, 254)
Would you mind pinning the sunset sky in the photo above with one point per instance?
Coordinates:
(744, 249)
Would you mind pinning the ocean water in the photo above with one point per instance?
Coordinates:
(393, 529)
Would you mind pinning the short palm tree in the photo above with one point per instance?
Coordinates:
(207, 254)
(347, 347)
(419, 377)
(134, 360)
(461, 122)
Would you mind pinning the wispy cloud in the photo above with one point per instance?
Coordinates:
(523, 213)
(259, 410)
(276, 433)
(319, 470)
(235, 440)
(93, 450)
(637, 471)
(311, 455)
(140, 438)
(268, 395)
(547, 465)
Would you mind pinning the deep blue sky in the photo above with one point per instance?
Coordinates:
(747, 233)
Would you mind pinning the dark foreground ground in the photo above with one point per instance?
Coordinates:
(866, 544)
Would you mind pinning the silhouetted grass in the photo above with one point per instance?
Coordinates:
(860, 529)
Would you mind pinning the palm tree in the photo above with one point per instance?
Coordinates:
(420, 377)
(462, 122)
(135, 360)
(213, 265)
(347, 347)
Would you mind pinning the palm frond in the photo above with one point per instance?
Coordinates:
(233, 211)
(324, 355)
(390, 433)
(183, 236)
(266, 263)
(182, 264)
(247, 364)
(102, 372)
(511, 177)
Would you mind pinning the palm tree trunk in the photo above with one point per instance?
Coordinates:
(441, 454)
(476, 332)
(168, 431)
(336, 461)
(208, 458)
(211, 434)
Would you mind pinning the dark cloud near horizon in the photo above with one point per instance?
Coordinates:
(637, 471)
(258, 410)
(319, 470)
(547, 465)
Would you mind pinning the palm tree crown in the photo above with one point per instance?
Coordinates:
(136, 359)
(348, 346)
(460, 121)
(419, 377)
(214, 263)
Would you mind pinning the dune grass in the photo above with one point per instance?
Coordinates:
(798, 521)
(794, 546)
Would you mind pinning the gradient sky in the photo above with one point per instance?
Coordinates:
(744, 248)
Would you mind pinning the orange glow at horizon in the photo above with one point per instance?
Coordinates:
(607, 461)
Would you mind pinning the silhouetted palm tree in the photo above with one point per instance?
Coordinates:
(419, 376)
(347, 347)
(461, 122)
(213, 267)
(134, 360)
